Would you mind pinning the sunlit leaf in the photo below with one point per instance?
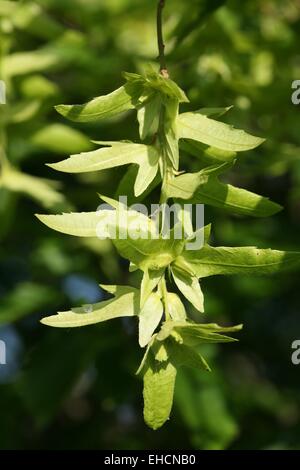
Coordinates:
(210, 261)
(204, 188)
(175, 307)
(102, 107)
(149, 318)
(124, 304)
(145, 156)
(149, 283)
(214, 133)
(189, 286)
(148, 116)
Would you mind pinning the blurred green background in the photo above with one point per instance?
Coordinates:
(76, 389)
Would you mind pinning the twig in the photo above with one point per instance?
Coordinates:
(160, 40)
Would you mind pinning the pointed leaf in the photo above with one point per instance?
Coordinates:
(147, 171)
(205, 153)
(202, 188)
(144, 358)
(182, 355)
(213, 111)
(126, 186)
(117, 155)
(82, 224)
(189, 286)
(214, 328)
(175, 307)
(134, 235)
(103, 224)
(193, 335)
(214, 133)
(170, 130)
(149, 282)
(149, 318)
(210, 261)
(148, 116)
(106, 106)
(124, 304)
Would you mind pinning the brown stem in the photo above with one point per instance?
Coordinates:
(160, 40)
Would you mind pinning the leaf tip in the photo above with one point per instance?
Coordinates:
(239, 327)
(51, 165)
(45, 321)
(40, 216)
(62, 109)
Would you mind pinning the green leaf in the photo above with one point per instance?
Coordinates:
(144, 358)
(237, 200)
(124, 304)
(149, 318)
(108, 157)
(182, 355)
(194, 334)
(147, 171)
(126, 186)
(148, 116)
(59, 138)
(118, 205)
(202, 233)
(117, 155)
(210, 261)
(171, 107)
(215, 328)
(189, 286)
(213, 111)
(203, 188)
(206, 154)
(103, 223)
(42, 190)
(159, 383)
(149, 282)
(175, 307)
(134, 235)
(81, 224)
(216, 134)
(103, 107)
